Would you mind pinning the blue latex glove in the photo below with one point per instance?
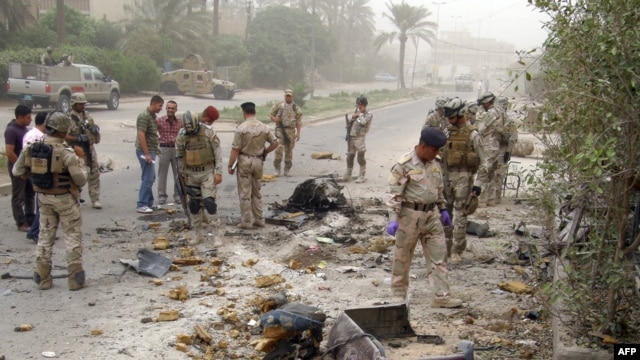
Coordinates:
(392, 228)
(445, 219)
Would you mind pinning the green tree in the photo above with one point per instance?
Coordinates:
(279, 41)
(14, 15)
(592, 62)
(410, 21)
(60, 21)
(229, 50)
(78, 28)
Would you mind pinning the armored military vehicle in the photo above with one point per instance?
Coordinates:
(195, 79)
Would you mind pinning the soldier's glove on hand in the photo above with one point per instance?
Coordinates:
(95, 130)
(392, 228)
(507, 157)
(82, 138)
(477, 190)
(445, 219)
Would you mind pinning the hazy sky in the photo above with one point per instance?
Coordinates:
(513, 21)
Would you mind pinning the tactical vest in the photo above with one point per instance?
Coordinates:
(288, 114)
(81, 126)
(198, 149)
(47, 168)
(458, 151)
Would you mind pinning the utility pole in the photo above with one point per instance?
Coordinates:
(455, 36)
(313, 48)
(434, 78)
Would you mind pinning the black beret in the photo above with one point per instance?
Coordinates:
(248, 106)
(433, 136)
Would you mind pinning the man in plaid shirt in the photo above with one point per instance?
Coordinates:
(168, 127)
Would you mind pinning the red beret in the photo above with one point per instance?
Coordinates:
(212, 113)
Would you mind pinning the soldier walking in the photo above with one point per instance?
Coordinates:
(168, 127)
(358, 127)
(491, 127)
(86, 134)
(57, 174)
(462, 157)
(417, 214)
(200, 161)
(248, 149)
(288, 118)
(508, 140)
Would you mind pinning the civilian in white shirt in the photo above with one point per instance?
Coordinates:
(33, 135)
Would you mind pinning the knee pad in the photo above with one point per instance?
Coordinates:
(210, 205)
(194, 192)
(194, 206)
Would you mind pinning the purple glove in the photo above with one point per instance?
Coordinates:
(445, 219)
(392, 228)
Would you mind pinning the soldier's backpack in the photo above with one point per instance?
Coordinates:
(40, 164)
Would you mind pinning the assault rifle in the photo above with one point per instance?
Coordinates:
(182, 191)
(85, 145)
(285, 137)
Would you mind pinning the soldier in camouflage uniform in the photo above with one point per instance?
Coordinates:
(57, 174)
(435, 118)
(470, 110)
(463, 157)
(417, 214)
(200, 162)
(491, 127)
(248, 150)
(288, 118)
(507, 141)
(359, 125)
(85, 134)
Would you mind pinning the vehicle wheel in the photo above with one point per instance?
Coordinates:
(230, 95)
(63, 104)
(114, 100)
(170, 88)
(219, 92)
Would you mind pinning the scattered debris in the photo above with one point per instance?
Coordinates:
(96, 332)
(167, 315)
(322, 193)
(516, 287)
(149, 263)
(348, 341)
(23, 328)
(268, 280)
(325, 155)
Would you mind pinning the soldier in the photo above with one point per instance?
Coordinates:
(491, 128)
(417, 213)
(86, 134)
(358, 127)
(168, 127)
(287, 116)
(249, 152)
(47, 58)
(57, 174)
(200, 161)
(507, 141)
(209, 115)
(470, 110)
(463, 157)
(435, 118)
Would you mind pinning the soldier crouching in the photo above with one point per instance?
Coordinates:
(56, 174)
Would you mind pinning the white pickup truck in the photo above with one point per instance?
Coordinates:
(52, 86)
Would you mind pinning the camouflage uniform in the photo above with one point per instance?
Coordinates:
(463, 156)
(249, 139)
(201, 162)
(417, 195)
(291, 116)
(359, 126)
(58, 207)
(82, 123)
(491, 127)
(507, 141)
(436, 119)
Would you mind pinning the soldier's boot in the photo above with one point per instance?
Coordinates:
(198, 238)
(76, 277)
(42, 276)
(286, 173)
(347, 175)
(456, 258)
(278, 171)
(361, 177)
(446, 302)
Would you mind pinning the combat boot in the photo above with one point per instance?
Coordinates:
(76, 277)
(347, 176)
(456, 258)
(361, 177)
(286, 173)
(42, 276)
(198, 238)
(446, 302)
(278, 172)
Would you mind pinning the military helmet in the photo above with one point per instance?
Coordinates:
(190, 123)
(453, 108)
(502, 101)
(486, 98)
(362, 100)
(58, 121)
(78, 98)
(49, 49)
(471, 107)
(441, 101)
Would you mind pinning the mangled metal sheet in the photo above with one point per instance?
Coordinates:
(149, 263)
(385, 321)
(347, 341)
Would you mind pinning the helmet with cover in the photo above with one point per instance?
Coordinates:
(57, 120)
(441, 101)
(190, 122)
(78, 98)
(486, 98)
(453, 108)
(503, 102)
(362, 100)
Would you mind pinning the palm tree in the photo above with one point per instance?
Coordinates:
(15, 14)
(410, 22)
(60, 21)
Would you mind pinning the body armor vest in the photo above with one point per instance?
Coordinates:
(458, 151)
(288, 114)
(48, 174)
(198, 149)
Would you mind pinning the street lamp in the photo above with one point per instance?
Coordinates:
(435, 47)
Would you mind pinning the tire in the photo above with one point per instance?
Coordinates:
(219, 92)
(230, 95)
(170, 88)
(63, 104)
(114, 100)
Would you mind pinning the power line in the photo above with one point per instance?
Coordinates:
(476, 49)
